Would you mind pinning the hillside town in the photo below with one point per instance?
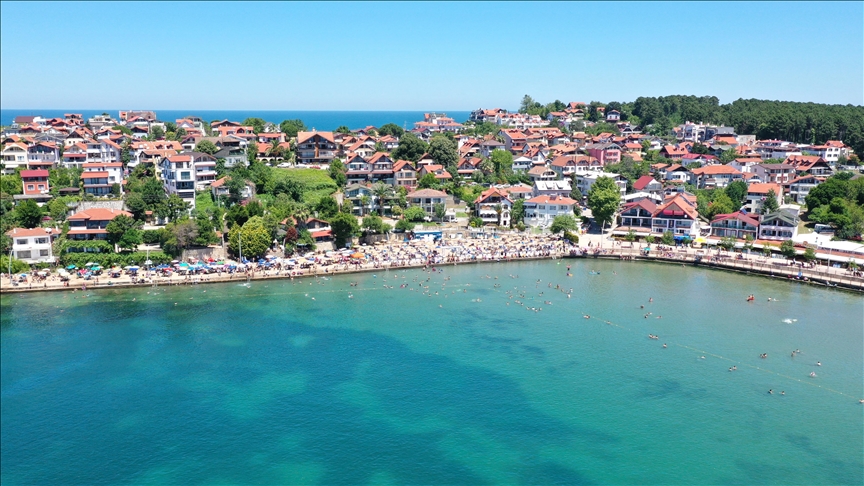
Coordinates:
(136, 189)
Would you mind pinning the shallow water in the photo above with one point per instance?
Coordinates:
(228, 384)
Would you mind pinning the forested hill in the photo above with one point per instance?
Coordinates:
(785, 120)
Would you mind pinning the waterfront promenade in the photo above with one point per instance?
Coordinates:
(420, 253)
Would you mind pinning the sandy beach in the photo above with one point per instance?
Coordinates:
(420, 253)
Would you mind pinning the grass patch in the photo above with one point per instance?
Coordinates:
(317, 182)
(203, 201)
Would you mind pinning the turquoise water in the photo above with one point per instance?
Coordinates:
(264, 385)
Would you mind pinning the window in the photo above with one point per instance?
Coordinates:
(41, 241)
(43, 253)
(29, 187)
(23, 254)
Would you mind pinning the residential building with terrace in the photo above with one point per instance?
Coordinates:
(178, 176)
(779, 225)
(91, 224)
(315, 148)
(758, 192)
(99, 178)
(33, 245)
(427, 199)
(801, 186)
(677, 214)
(493, 206)
(540, 211)
(737, 225)
(636, 216)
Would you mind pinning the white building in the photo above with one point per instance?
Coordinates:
(33, 245)
(549, 188)
(541, 210)
(178, 177)
(586, 180)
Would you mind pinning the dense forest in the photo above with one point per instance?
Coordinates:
(785, 120)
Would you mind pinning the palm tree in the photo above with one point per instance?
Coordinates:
(498, 211)
(382, 192)
(364, 201)
(275, 150)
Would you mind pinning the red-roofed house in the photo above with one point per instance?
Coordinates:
(637, 216)
(758, 192)
(315, 147)
(427, 199)
(35, 182)
(487, 206)
(677, 214)
(648, 184)
(713, 176)
(90, 224)
(405, 174)
(673, 152)
(737, 225)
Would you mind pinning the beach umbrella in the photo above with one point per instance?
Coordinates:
(88, 264)
(358, 255)
(71, 267)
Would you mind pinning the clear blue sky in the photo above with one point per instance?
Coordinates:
(411, 56)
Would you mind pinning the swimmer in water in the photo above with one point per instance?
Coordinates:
(818, 363)
(771, 392)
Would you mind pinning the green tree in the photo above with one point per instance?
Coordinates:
(736, 191)
(721, 205)
(787, 249)
(809, 254)
(253, 236)
(517, 212)
(563, 222)
(344, 228)
(428, 181)
(28, 214)
(502, 162)
(156, 133)
(414, 214)
(327, 207)
(381, 191)
(603, 199)
(375, 225)
(770, 205)
(207, 147)
(173, 208)
(668, 238)
(727, 242)
(440, 210)
(153, 193)
(404, 225)
(630, 236)
(124, 231)
(576, 194)
(337, 172)
(257, 124)
(343, 129)
(291, 127)
(57, 208)
(391, 129)
(410, 148)
(443, 151)
(728, 156)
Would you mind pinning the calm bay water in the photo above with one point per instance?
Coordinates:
(320, 120)
(264, 385)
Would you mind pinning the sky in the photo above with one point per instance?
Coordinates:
(423, 55)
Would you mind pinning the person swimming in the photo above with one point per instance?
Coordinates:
(812, 374)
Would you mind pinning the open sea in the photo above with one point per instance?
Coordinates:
(320, 120)
(318, 382)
